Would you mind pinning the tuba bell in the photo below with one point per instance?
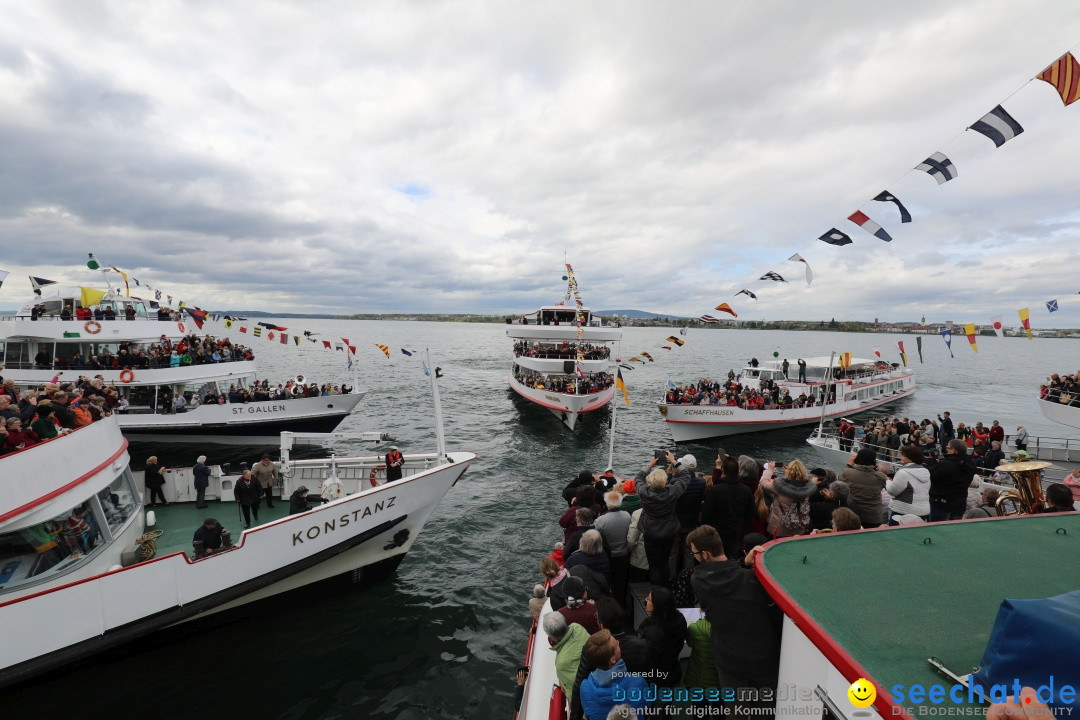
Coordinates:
(1027, 497)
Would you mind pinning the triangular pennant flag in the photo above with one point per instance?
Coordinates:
(938, 167)
(998, 125)
(406, 352)
(862, 220)
(886, 196)
(969, 330)
(1052, 306)
(423, 364)
(946, 335)
(903, 355)
(677, 341)
(724, 307)
(647, 355)
(38, 283)
(3, 276)
(127, 288)
(746, 292)
(1064, 75)
(918, 344)
(998, 327)
(835, 237)
(621, 385)
(809, 275)
(666, 347)
(774, 276)
(384, 348)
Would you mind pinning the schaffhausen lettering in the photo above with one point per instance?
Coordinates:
(329, 526)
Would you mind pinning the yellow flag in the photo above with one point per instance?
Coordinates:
(91, 297)
(621, 385)
(228, 324)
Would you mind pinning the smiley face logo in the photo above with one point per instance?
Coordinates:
(862, 693)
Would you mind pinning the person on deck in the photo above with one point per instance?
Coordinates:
(633, 649)
(567, 641)
(298, 502)
(611, 678)
(266, 474)
(207, 539)
(865, 482)
(201, 474)
(394, 461)
(949, 481)
(248, 491)
(658, 520)
(154, 479)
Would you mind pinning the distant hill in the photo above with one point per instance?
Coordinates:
(635, 314)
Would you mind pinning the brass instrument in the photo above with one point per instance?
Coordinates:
(1027, 496)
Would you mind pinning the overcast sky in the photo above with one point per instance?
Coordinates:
(445, 156)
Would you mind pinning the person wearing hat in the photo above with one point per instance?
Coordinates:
(579, 608)
(1021, 456)
(298, 501)
(207, 539)
(201, 474)
(394, 461)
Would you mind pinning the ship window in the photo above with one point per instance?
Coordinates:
(118, 502)
(46, 549)
(18, 356)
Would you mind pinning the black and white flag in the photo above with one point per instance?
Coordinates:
(938, 167)
(886, 196)
(746, 292)
(835, 237)
(998, 125)
(772, 276)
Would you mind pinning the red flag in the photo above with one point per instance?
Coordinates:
(270, 335)
(326, 344)
(284, 338)
(243, 329)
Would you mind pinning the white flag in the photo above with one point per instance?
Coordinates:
(809, 275)
(998, 327)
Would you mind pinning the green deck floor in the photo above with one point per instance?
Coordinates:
(180, 520)
(893, 598)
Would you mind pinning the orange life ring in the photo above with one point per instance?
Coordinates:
(126, 375)
(92, 326)
(181, 326)
(374, 474)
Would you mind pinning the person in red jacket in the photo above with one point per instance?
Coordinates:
(394, 461)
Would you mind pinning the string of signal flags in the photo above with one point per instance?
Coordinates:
(997, 125)
(157, 299)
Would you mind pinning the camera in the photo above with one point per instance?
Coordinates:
(659, 454)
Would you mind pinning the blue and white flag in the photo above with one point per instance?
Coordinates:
(886, 196)
(998, 125)
(423, 364)
(3, 276)
(348, 361)
(938, 167)
(947, 335)
(671, 385)
(1052, 305)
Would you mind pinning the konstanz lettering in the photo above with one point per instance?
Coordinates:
(329, 526)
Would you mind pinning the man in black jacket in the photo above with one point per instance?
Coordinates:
(635, 651)
(745, 621)
(949, 482)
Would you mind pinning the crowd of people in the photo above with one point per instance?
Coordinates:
(732, 393)
(693, 538)
(1065, 390)
(35, 416)
(585, 384)
(561, 351)
(189, 350)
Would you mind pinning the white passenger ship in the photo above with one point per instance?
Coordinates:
(563, 360)
(862, 385)
(72, 578)
(47, 339)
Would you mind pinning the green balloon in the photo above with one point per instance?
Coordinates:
(565, 278)
(776, 353)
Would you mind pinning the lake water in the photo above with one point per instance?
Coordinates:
(443, 637)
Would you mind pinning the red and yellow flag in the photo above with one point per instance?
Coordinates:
(969, 330)
(724, 307)
(1025, 320)
(384, 348)
(1064, 75)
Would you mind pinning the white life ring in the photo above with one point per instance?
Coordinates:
(181, 326)
(92, 326)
